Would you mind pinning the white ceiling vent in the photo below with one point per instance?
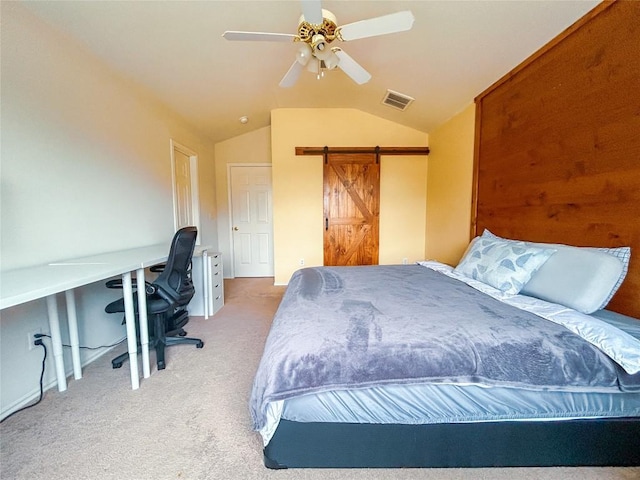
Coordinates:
(397, 100)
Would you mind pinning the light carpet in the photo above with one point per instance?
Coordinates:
(191, 420)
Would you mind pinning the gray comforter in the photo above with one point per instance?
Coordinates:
(354, 327)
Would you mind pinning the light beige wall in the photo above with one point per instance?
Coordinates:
(449, 188)
(85, 169)
(83, 151)
(252, 147)
(403, 182)
(298, 190)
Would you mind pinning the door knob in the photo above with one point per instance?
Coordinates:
(235, 229)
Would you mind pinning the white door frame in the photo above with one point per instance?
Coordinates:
(230, 203)
(195, 197)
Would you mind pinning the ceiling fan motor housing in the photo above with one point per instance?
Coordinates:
(307, 31)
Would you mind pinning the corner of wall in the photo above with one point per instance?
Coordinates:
(250, 147)
(449, 186)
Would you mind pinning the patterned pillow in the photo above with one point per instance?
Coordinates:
(507, 266)
(582, 278)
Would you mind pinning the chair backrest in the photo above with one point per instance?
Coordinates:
(175, 279)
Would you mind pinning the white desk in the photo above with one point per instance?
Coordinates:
(45, 281)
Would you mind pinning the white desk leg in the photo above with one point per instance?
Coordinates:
(144, 326)
(56, 342)
(130, 317)
(73, 334)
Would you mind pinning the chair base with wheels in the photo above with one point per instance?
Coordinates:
(175, 336)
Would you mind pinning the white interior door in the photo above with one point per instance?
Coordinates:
(183, 189)
(252, 221)
(184, 168)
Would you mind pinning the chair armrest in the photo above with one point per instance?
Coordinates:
(158, 268)
(117, 283)
(166, 295)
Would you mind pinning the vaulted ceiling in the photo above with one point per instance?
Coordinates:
(175, 49)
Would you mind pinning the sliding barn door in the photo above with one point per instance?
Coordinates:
(351, 209)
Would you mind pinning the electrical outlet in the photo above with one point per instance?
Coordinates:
(302, 262)
(405, 261)
(31, 338)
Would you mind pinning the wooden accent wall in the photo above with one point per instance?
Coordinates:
(557, 150)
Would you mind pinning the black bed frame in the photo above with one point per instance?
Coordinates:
(588, 442)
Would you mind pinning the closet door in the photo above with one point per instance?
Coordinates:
(252, 220)
(184, 171)
(351, 209)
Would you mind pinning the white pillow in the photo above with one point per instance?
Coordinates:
(582, 278)
(505, 265)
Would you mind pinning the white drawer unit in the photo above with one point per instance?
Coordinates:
(216, 300)
(207, 276)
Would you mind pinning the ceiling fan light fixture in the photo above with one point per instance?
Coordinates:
(304, 53)
(331, 61)
(314, 66)
(320, 48)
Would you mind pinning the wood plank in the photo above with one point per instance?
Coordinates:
(525, 189)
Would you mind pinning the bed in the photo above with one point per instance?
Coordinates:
(422, 366)
(480, 370)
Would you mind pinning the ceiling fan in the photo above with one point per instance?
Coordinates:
(317, 29)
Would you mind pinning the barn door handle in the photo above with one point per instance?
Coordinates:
(326, 224)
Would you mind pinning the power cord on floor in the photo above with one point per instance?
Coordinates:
(39, 335)
(38, 341)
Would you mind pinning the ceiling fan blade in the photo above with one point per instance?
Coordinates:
(312, 11)
(394, 22)
(258, 36)
(291, 77)
(352, 68)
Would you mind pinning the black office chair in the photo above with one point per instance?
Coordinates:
(167, 299)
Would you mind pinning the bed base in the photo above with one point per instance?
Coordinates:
(588, 442)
